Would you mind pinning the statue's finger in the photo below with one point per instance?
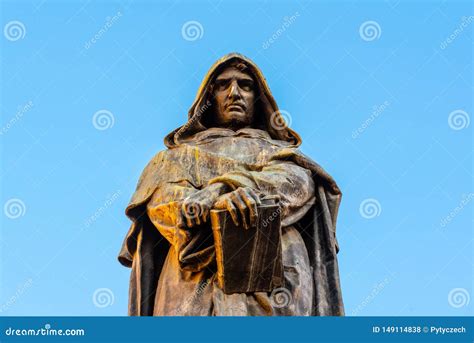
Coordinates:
(219, 205)
(237, 200)
(189, 221)
(186, 210)
(205, 214)
(251, 205)
(232, 211)
(180, 220)
(254, 195)
(197, 214)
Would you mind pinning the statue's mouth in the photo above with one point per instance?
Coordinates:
(236, 107)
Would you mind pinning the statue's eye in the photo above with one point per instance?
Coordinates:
(221, 85)
(246, 85)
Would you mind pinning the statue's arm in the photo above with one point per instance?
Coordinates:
(182, 205)
(164, 206)
(293, 184)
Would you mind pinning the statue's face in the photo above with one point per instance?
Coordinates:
(234, 96)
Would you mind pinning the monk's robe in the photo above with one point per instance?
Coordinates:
(174, 270)
(238, 159)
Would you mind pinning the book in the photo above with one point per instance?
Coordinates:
(249, 260)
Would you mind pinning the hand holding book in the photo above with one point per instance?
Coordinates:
(195, 209)
(248, 259)
(242, 206)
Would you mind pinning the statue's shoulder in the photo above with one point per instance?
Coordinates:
(319, 173)
(148, 180)
(160, 158)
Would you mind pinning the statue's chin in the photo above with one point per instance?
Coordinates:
(234, 120)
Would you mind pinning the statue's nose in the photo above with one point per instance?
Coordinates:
(234, 90)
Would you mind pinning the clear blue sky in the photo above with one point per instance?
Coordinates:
(381, 93)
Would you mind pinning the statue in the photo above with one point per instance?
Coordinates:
(234, 154)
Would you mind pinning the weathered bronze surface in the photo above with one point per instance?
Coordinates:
(235, 151)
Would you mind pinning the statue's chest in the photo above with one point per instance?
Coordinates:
(228, 154)
(239, 150)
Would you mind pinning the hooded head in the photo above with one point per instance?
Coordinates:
(234, 94)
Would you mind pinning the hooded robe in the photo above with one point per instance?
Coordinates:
(174, 269)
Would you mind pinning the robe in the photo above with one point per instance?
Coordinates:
(185, 283)
(173, 270)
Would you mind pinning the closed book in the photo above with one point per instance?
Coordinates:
(248, 260)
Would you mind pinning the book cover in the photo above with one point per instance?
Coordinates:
(248, 260)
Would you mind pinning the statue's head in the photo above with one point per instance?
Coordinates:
(234, 97)
(234, 94)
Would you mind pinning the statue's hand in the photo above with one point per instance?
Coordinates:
(195, 208)
(242, 206)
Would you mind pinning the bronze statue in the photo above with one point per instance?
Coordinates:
(235, 158)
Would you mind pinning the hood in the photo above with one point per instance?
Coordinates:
(267, 112)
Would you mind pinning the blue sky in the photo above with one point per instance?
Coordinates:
(381, 93)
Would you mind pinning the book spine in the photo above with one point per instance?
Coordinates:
(217, 232)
